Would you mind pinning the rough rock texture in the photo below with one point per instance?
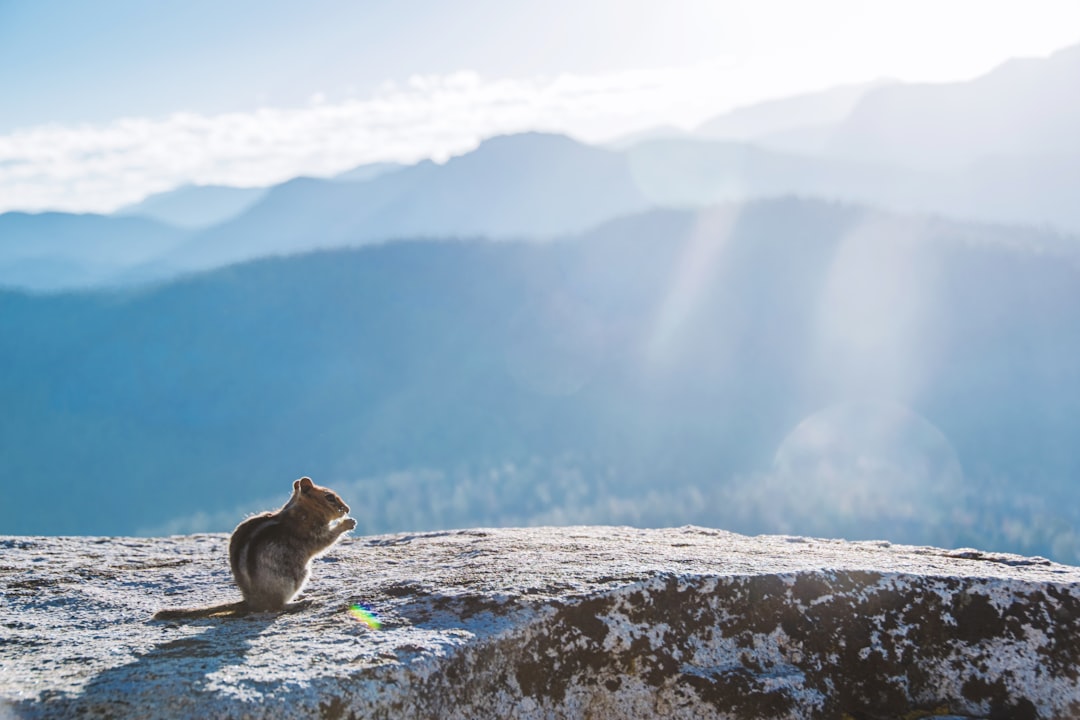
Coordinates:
(544, 623)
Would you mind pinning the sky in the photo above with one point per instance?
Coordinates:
(109, 101)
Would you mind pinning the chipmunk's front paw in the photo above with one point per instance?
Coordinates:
(347, 524)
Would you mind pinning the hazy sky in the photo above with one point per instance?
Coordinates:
(106, 101)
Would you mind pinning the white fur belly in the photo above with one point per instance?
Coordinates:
(279, 583)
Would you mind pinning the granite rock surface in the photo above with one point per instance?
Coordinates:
(583, 622)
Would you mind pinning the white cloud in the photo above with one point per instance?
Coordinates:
(98, 168)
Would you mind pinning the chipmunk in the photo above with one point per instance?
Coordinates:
(270, 554)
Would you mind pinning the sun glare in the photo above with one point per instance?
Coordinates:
(872, 317)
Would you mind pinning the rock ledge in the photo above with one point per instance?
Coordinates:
(593, 622)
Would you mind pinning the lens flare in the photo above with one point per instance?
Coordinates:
(366, 615)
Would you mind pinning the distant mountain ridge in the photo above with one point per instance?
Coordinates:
(1024, 108)
(369, 171)
(534, 184)
(194, 207)
(55, 251)
(1001, 148)
(775, 124)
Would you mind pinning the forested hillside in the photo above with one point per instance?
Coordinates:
(671, 367)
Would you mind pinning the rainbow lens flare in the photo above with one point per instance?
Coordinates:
(366, 615)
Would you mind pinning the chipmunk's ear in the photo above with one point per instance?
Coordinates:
(302, 484)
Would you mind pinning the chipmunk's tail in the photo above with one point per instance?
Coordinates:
(226, 610)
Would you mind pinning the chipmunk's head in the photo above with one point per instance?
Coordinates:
(319, 499)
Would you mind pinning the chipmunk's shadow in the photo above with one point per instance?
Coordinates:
(193, 661)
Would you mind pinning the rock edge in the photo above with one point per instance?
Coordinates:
(595, 622)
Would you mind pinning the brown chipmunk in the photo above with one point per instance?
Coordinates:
(270, 554)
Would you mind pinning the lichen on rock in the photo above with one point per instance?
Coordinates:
(595, 622)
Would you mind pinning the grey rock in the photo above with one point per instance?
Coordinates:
(585, 622)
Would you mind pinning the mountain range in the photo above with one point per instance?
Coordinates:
(837, 314)
(1000, 148)
(654, 370)
(533, 185)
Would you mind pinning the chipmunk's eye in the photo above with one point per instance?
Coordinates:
(330, 497)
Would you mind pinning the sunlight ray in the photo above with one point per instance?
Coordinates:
(699, 263)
